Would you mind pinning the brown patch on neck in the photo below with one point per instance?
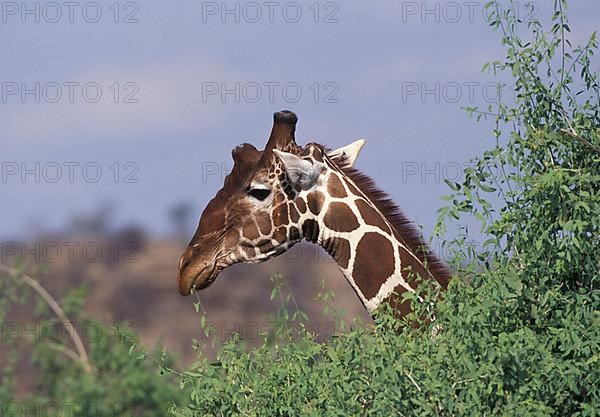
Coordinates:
(412, 270)
(339, 249)
(340, 218)
(301, 205)
(294, 215)
(400, 306)
(294, 234)
(310, 230)
(405, 229)
(280, 235)
(335, 188)
(374, 263)
(315, 202)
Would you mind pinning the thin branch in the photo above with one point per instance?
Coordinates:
(574, 135)
(83, 356)
(464, 381)
(562, 41)
(66, 351)
(412, 380)
(146, 353)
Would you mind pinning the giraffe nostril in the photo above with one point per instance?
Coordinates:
(185, 259)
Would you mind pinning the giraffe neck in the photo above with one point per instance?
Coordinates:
(370, 252)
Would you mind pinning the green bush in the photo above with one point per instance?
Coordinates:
(97, 377)
(517, 330)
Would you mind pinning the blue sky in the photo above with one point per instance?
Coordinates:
(361, 68)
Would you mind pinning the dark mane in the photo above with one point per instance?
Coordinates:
(406, 230)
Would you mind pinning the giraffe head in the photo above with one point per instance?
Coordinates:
(262, 209)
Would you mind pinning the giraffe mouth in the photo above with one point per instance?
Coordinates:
(198, 281)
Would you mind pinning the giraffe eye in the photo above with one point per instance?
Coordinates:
(259, 193)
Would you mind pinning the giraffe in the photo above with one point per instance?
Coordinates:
(274, 198)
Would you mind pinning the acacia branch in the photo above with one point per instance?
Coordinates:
(65, 351)
(584, 141)
(41, 291)
(412, 380)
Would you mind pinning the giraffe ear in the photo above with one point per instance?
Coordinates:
(349, 152)
(301, 173)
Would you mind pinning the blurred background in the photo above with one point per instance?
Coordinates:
(117, 120)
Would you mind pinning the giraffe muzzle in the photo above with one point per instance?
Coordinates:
(194, 274)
